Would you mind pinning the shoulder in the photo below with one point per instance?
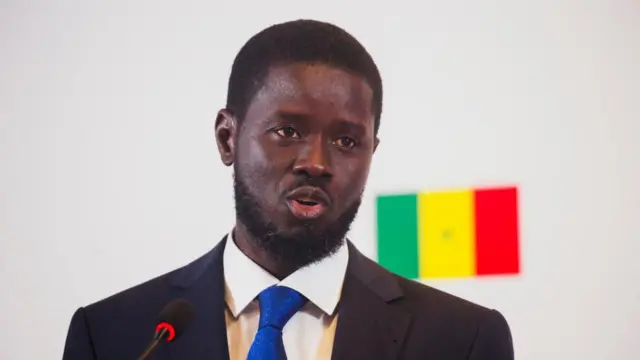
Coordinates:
(441, 323)
(151, 295)
(413, 296)
(135, 309)
(133, 298)
(115, 326)
(420, 297)
(109, 326)
(456, 325)
(127, 312)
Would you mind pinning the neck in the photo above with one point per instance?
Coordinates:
(247, 244)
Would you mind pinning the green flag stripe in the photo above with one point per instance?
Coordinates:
(398, 234)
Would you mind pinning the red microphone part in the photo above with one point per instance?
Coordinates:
(169, 328)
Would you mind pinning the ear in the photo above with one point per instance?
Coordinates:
(226, 131)
(375, 144)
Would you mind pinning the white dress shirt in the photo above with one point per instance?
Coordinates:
(310, 332)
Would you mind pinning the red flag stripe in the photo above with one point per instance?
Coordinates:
(497, 238)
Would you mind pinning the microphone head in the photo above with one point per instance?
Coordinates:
(175, 318)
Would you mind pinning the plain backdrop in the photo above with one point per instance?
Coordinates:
(109, 173)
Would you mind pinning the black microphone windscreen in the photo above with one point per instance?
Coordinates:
(178, 313)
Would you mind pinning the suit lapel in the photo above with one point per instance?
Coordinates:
(202, 283)
(369, 326)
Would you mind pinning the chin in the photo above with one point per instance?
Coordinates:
(299, 230)
(296, 226)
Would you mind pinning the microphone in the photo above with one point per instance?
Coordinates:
(173, 320)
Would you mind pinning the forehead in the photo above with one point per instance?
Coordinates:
(317, 89)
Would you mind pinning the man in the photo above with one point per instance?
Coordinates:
(300, 129)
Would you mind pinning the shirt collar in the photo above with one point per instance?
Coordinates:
(320, 282)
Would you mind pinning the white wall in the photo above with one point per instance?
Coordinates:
(109, 173)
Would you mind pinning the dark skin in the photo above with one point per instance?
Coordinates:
(306, 122)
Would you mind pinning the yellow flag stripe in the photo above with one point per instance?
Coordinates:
(446, 234)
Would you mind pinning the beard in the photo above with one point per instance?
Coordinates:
(292, 250)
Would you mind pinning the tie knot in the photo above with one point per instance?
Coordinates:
(278, 304)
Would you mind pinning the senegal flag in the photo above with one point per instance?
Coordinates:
(445, 234)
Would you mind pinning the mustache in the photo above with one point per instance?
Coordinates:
(320, 183)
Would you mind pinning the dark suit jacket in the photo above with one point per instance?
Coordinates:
(382, 316)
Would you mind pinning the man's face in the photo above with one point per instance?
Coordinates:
(302, 158)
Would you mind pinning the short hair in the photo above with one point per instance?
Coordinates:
(306, 41)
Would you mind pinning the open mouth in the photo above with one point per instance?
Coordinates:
(306, 209)
(307, 203)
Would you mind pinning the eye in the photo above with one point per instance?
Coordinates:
(287, 132)
(346, 142)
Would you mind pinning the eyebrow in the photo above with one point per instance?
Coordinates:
(301, 118)
(291, 116)
(351, 126)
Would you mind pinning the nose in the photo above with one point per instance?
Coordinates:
(314, 161)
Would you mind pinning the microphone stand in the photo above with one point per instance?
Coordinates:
(156, 340)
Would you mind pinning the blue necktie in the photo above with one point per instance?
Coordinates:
(277, 305)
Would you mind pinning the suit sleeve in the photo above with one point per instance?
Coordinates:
(79, 345)
(494, 340)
